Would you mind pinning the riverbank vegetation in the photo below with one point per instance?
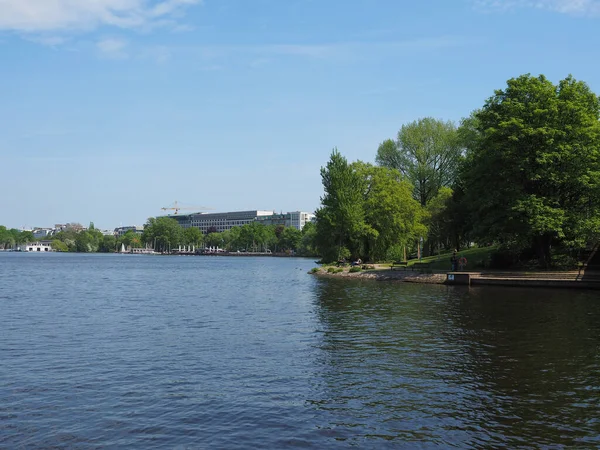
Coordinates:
(164, 234)
(521, 174)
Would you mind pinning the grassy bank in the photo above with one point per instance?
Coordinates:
(477, 258)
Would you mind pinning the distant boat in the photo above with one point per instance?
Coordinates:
(123, 249)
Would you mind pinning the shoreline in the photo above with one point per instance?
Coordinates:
(385, 274)
(553, 280)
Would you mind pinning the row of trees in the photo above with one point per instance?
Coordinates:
(13, 237)
(523, 172)
(164, 234)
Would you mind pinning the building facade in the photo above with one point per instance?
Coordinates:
(219, 221)
(120, 231)
(296, 219)
(40, 246)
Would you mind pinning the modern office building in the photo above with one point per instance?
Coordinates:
(296, 219)
(219, 221)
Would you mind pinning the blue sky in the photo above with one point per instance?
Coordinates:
(110, 109)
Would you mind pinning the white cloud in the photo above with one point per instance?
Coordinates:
(66, 15)
(573, 7)
(112, 48)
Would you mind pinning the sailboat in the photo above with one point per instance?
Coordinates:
(123, 249)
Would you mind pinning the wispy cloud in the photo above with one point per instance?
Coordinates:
(68, 15)
(572, 7)
(112, 48)
(327, 51)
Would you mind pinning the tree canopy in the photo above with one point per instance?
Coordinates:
(427, 152)
(533, 173)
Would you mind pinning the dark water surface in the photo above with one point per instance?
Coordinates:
(117, 351)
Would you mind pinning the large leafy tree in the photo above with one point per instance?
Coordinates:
(193, 236)
(164, 231)
(427, 152)
(393, 217)
(533, 174)
(340, 220)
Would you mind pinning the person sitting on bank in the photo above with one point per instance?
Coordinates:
(358, 262)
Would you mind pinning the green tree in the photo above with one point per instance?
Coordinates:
(533, 176)
(193, 236)
(108, 245)
(164, 231)
(59, 246)
(290, 239)
(393, 215)
(438, 221)
(308, 245)
(83, 242)
(340, 220)
(427, 152)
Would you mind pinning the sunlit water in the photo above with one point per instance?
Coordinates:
(123, 351)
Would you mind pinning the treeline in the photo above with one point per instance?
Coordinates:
(522, 172)
(92, 241)
(165, 234)
(13, 237)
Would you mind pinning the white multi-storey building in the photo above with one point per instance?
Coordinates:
(296, 219)
(219, 222)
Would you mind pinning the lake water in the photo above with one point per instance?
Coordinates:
(123, 351)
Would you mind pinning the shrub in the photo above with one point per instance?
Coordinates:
(331, 270)
(314, 270)
(355, 269)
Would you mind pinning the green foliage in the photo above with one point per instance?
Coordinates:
(439, 221)
(331, 270)
(308, 242)
(59, 246)
(108, 245)
(314, 270)
(393, 217)
(340, 220)
(193, 236)
(427, 152)
(395, 253)
(365, 211)
(355, 269)
(164, 231)
(532, 176)
(130, 239)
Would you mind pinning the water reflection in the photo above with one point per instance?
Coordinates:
(477, 368)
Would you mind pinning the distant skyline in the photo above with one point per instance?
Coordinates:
(112, 109)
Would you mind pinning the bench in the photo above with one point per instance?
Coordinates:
(396, 265)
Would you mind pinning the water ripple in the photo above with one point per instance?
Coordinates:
(105, 351)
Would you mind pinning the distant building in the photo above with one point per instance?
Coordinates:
(40, 233)
(40, 246)
(219, 221)
(120, 231)
(296, 219)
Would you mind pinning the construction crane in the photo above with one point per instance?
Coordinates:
(176, 206)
